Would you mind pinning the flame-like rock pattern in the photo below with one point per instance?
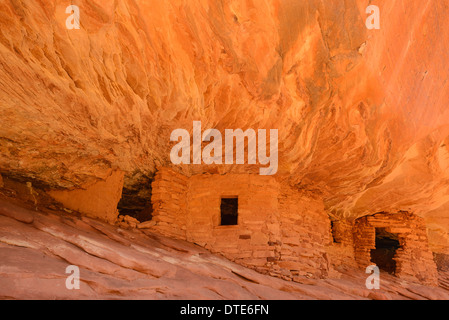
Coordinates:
(362, 114)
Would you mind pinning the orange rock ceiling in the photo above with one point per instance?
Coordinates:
(363, 115)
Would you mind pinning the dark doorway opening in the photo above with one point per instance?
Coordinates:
(334, 232)
(136, 197)
(229, 211)
(386, 245)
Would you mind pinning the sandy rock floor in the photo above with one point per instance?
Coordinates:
(116, 263)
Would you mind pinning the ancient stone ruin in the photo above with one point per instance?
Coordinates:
(275, 230)
(397, 243)
(262, 149)
(279, 231)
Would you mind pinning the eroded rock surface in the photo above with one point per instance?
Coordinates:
(362, 114)
(118, 263)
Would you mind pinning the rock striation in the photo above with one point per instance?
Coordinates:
(362, 116)
(128, 263)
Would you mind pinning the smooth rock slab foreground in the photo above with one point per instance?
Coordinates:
(133, 264)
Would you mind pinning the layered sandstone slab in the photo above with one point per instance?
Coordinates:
(116, 263)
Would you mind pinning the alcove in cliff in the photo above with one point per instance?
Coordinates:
(136, 198)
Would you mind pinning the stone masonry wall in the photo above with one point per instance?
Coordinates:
(169, 203)
(341, 250)
(305, 233)
(279, 231)
(414, 260)
(248, 242)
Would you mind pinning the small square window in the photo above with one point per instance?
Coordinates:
(229, 211)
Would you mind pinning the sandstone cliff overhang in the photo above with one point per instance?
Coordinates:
(362, 114)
